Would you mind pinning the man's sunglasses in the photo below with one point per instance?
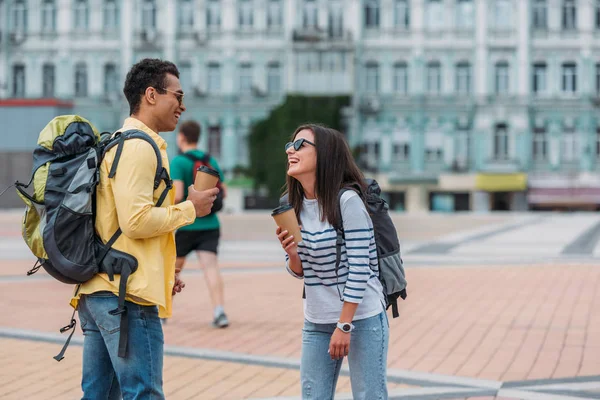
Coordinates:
(178, 95)
(298, 144)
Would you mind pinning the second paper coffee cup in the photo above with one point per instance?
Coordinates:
(285, 218)
(206, 178)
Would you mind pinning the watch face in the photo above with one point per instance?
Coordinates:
(346, 327)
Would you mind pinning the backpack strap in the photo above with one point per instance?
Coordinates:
(339, 241)
(120, 265)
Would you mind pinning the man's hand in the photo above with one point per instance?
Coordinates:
(203, 201)
(339, 346)
(179, 285)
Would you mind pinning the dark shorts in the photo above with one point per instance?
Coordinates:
(188, 241)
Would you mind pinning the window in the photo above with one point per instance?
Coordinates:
(81, 15)
(246, 78)
(540, 144)
(502, 78)
(111, 14)
(401, 152)
(598, 143)
(435, 15)
(18, 81)
(336, 19)
(372, 77)
(597, 14)
(401, 14)
(81, 80)
(539, 78)
(19, 16)
(464, 14)
(185, 76)
(214, 140)
(569, 146)
(503, 14)
(401, 78)
(569, 78)
(501, 142)
(463, 78)
(214, 78)
(186, 15)
(273, 78)
(213, 15)
(569, 15)
(372, 9)
(598, 79)
(148, 14)
(274, 14)
(540, 15)
(48, 16)
(434, 144)
(310, 14)
(245, 14)
(461, 154)
(48, 80)
(371, 153)
(110, 80)
(434, 78)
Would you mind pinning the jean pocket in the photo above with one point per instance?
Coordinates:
(99, 307)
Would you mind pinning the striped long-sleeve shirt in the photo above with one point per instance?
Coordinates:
(357, 280)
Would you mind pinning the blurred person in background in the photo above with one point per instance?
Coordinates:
(203, 235)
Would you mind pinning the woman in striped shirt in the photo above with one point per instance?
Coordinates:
(344, 311)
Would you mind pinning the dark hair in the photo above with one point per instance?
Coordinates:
(191, 131)
(150, 72)
(335, 169)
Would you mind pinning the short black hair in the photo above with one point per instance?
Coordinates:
(149, 72)
(191, 131)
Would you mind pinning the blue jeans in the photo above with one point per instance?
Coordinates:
(367, 359)
(107, 376)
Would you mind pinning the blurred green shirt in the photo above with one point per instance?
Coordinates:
(182, 170)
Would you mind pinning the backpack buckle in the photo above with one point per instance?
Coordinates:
(68, 327)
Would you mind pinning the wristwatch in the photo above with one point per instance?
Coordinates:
(345, 327)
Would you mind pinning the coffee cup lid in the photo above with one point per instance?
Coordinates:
(208, 170)
(281, 209)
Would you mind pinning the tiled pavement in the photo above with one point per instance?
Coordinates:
(520, 330)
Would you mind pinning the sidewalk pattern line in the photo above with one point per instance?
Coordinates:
(432, 385)
(584, 243)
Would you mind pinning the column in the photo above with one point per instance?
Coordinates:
(417, 73)
(481, 202)
(260, 15)
(33, 77)
(587, 146)
(523, 62)
(127, 22)
(449, 144)
(168, 21)
(5, 69)
(585, 70)
(322, 15)
(386, 16)
(200, 16)
(386, 146)
(417, 146)
(416, 199)
(481, 52)
(228, 144)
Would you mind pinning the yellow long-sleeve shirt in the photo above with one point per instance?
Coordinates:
(127, 201)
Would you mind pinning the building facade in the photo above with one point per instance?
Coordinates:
(457, 104)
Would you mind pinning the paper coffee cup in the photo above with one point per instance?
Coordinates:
(206, 178)
(285, 218)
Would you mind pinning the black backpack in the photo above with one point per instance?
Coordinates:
(391, 267)
(198, 162)
(59, 221)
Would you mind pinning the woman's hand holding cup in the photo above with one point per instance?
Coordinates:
(288, 244)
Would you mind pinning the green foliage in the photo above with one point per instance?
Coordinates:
(269, 136)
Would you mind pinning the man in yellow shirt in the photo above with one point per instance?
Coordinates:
(127, 201)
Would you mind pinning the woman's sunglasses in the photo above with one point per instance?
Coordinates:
(298, 144)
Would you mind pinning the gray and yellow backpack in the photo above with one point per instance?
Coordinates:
(59, 221)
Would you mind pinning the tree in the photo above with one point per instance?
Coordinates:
(269, 136)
